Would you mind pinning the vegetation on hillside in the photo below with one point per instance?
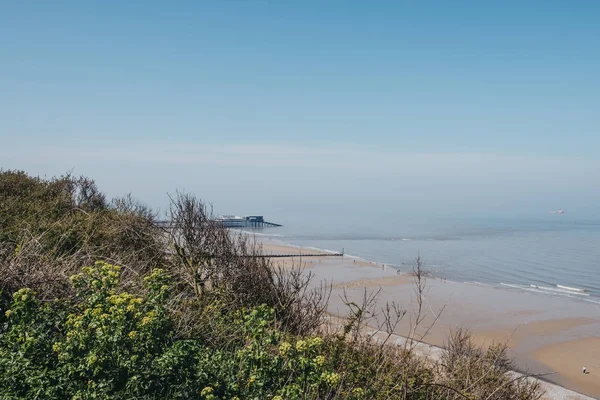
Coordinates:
(97, 301)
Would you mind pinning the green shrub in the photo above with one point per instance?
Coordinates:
(108, 344)
(118, 345)
(190, 314)
(50, 228)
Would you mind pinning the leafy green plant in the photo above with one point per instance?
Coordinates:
(119, 345)
(190, 313)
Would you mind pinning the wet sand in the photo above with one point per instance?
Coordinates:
(306, 262)
(546, 335)
(276, 249)
(534, 329)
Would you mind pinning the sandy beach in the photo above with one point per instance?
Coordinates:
(546, 335)
(565, 358)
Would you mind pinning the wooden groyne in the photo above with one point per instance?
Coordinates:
(296, 255)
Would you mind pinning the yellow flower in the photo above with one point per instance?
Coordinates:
(97, 311)
(8, 313)
(319, 360)
(334, 378)
(148, 318)
(23, 294)
(117, 299)
(207, 390)
(301, 345)
(132, 334)
(330, 378)
(315, 342)
(284, 348)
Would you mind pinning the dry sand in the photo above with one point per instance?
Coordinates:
(568, 358)
(546, 334)
(564, 360)
(376, 282)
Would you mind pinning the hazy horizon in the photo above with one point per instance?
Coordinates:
(263, 107)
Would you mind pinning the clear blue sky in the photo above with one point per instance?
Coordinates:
(449, 99)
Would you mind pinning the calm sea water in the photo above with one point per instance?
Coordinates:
(555, 255)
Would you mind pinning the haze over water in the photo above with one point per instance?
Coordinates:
(512, 252)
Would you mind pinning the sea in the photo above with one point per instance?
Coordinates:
(548, 254)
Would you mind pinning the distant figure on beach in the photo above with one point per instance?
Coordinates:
(584, 370)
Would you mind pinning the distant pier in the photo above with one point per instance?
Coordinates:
(253, 221)
(232, 221)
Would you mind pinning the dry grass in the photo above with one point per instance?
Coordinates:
(50, 229)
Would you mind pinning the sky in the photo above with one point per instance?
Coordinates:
(427, 106)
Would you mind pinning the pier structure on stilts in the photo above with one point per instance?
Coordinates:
(233, 221)
(252, 221)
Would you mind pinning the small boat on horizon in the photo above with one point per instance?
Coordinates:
(559, 211)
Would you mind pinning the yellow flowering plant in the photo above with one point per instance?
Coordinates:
(118, 342)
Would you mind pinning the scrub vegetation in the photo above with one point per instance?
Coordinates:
(98, 300)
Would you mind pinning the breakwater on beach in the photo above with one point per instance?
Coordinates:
(555, 256)
(546, 334)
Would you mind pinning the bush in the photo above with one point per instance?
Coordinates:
(49, 229)
(117, 345)
(483, 373)
(112, 344)
(190, 312)
(35, 205)
(108, 344)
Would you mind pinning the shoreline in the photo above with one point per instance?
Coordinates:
(559, 292)
(515, 283)
(545, 333)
